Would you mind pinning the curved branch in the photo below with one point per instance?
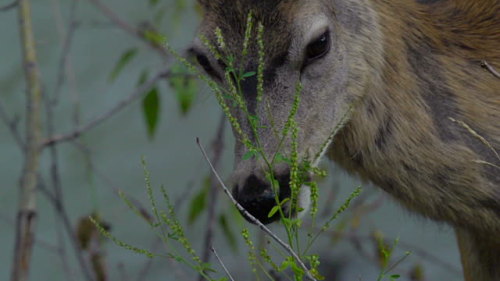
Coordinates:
(138, 92)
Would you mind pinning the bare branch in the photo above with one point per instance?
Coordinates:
(222, 264)
(217, 146)
(122, 24)
(26, 217)
(66, 221)
(12, 125)
(138, 92)
(490, 68)
(9, 6)
(253, 219)
(66, 46)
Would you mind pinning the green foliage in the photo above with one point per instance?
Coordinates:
(228, 232)
(164, 222)
(198, 203)
(119, 242)
(151, 109)
(125, 58)
(150, 106)
(385, 254)
(184, 86)
(231, 99)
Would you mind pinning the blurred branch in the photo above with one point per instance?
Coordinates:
(66, 221)
(138, 92)
(218, 147)
(490, 68)
(12, 125)
(9, 6)
(142, 275)
(37, 242)
(66, 46)
(122, 24)
(62, 224)
(253, 219)
(26, 217)
(222, 264)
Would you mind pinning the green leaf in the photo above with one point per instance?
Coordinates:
(249, 154)
(197, 205)
(280, 158)
(151, 110)
(184, 86)
(249, 74)
(273, 211)
(155, 38)
(228, 232)
(125, 58)
(153, 2)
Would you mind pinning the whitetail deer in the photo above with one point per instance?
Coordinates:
(425, 124)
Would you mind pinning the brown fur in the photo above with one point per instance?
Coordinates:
(426, 160)
(417, 95)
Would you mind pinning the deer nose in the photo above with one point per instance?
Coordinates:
(258, 198)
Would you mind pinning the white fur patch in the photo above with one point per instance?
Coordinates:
(316, 28)
(304, 201)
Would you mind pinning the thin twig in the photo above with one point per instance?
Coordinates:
(57, 198)
(476, 135)
(12, 125)
(138, 92)
(252, 218)
(66, 221)
(56, 183)
(217, 146)
(66, 47)
(50, 103)
(9, 6)
(38, 242)
(490, 68)
(116, 190)
(27, 210)
(222, 264)
(122, 24)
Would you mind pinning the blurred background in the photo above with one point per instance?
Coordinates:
(93, 56)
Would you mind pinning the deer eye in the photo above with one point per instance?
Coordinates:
(318, 48)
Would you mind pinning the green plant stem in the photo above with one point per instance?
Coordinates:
(27, 212)
(253, 219)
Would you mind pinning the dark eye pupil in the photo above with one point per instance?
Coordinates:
(318, 47)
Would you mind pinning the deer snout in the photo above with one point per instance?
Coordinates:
(257, 196)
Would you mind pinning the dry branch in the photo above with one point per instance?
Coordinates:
(217, 147)
(138, 92)
(26, 217)
(490, 68)
(122, 24)
(222, 264)
(12, 125)
(9, 6)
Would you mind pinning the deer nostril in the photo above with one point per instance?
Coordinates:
(258, 197)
